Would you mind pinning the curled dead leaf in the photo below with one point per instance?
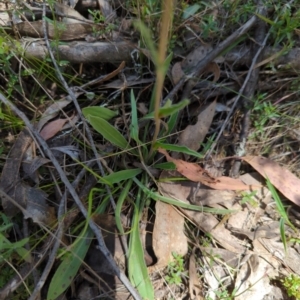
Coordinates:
(193, 135)
(285, 181)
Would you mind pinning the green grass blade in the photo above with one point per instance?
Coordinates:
(165, 166)
(172, 122)
(99, 111)
(282, 234)
(120, 202)
(167, 111)
(176, 148)
(69, 267)
(122, 175)
(109, 132)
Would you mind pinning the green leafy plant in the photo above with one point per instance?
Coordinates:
(263, 112)
(281, 210)
(292, 285)
(175, 270)
(249, 198)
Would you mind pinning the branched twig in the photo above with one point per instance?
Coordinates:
(241, 92)
(260, 38)
(199, 68)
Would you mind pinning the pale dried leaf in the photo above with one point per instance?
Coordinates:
(195, 56)
(52, 111)
(285, 181)
(168, 234)
(195, 286)
(31, 166)
(70, 150)
(193, 135)
(69, 12)
(213, 68)
(106, 9)
(276, 248)
(206, 222)
(142, 108)
(177, 73)
(52, 128)
(251, 282)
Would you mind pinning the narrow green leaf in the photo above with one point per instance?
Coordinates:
(172, 123)
(122, 175)
(167, 63)
(176, 148)
(109, 132)
(99, 111)
(5, 227)
(17, 246)
(137, 269)
(69, 267)
(165, 166)
(158, 197)
(268, 21)
(190, 11)
(146, 34)
(134, 126)
(168, 110)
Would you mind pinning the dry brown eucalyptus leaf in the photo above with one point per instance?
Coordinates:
(52, 111)
(197, 174)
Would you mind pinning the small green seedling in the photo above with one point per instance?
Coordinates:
(175, 270)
